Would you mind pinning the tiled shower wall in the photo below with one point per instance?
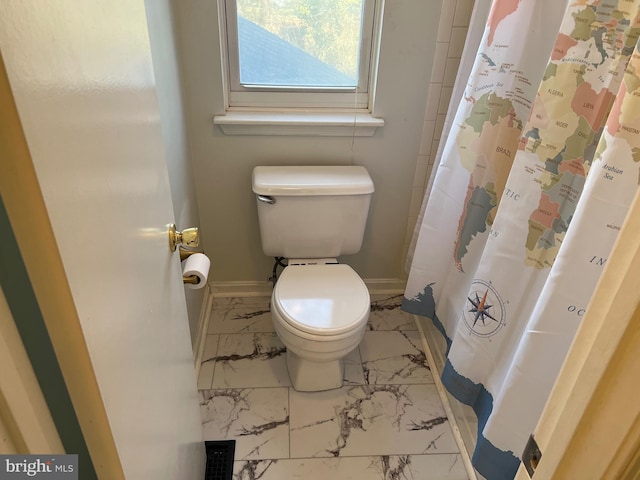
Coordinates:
(452, 32)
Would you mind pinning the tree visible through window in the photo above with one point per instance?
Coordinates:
(299, 42)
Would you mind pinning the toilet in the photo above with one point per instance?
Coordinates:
(320, 308)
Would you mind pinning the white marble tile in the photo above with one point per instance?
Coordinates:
(382, 431)
(240, 315)
(241, 302)
(353, 373)
(369, 420)
(205, 377)
(353, 468)
(394, 358)
(250, 360)
(423, 467)
(407, 467)
(386, 314)
(258, 419)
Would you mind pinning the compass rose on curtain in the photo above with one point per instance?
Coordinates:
(484, 314)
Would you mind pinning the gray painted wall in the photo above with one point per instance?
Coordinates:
(174, 131)
(222, 164)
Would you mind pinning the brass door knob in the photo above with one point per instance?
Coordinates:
(188, 237)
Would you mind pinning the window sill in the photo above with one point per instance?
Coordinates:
(340, 124)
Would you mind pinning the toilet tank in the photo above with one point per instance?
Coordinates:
(312, 212)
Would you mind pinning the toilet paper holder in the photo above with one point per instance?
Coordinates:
(193, 279)
(184, 254)
(189, 237)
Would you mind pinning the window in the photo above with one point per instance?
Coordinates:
(300, 53)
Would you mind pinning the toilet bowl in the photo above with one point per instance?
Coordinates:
(320, 313)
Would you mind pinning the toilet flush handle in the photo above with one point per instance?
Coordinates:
(266, 199)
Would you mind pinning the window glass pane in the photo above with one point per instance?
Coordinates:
(313, 43)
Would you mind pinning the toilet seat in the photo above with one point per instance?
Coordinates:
(321, 300)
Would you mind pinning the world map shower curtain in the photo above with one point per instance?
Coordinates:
(534, 182)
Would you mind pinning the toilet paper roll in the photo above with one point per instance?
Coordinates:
(197, 264)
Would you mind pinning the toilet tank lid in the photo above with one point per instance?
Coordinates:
(320, 180)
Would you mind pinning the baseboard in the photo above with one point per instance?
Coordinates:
(379, 286)
(461, 417)
(241, 289)
(264, 288)
(203, 326)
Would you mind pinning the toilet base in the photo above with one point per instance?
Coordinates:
(308, 376)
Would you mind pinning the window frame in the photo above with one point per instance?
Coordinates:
(359, 98)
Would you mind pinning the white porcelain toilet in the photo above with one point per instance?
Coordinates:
(320, 308)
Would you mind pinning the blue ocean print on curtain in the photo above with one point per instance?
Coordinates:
(533, 185)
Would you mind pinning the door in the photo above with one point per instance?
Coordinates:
(590, 427)
(82, 79)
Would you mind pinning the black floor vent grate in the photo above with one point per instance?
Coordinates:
(219, 459)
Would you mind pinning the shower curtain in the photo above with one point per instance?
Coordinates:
(534, 181)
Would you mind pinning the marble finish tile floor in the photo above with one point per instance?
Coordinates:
(385, 423)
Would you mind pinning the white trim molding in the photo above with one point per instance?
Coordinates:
(203, 326)
(461, 417)
(337, 124)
